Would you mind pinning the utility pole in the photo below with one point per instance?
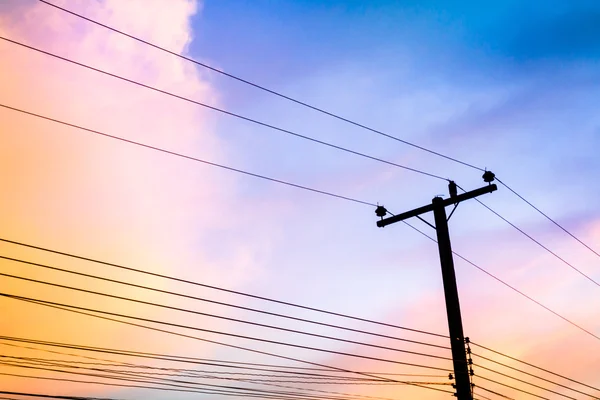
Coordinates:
(438, 206)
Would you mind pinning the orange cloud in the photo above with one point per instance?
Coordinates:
(67, 189)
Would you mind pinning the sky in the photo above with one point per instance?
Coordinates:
(511, 87)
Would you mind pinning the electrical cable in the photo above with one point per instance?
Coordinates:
(74, 309)
(314, 190)
(174, 388)
(507, 285)
(528, 364)
(219, 302)
(180, 280)
(224, 318)
(204, 385)
(222, 111)
(192, 360)
(320, 110)
(548, 218)
(261, 87)
(238, 336)
(207, 374)
(539, 243)
(496, 393)
(313, 378)
(513, 388)
(147, 146)
(532, 384)
(259, 382)
(48, 396)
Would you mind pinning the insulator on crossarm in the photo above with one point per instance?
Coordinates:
(381, 211)
(488, 176)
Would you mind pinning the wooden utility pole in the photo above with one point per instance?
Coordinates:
(438, 206)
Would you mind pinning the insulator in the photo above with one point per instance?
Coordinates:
(488, 176)
(380, 211)
(452, 188)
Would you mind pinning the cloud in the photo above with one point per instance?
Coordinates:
(70, 190)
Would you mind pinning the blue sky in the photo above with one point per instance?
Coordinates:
(507, 86)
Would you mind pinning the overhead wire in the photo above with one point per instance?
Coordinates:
(512, 387)
(172, 388)
(46, 266)
(534, 239)
(301, 306)
(508, 285)
(281, 369)
(302, 187)
(219, 71)
(154, 304)
(191, 158)
(539, 243)
(193, 384)
(49, 396)
(494, 392)
(314, 108)
(272, 383)
(77, 310)
(146, 370)
(482, 203)
(528, 364)
(548, 217)
(116, 76)
(532, 384)
(210, 374)
(225, 112)
(229, 334)
(218, 388)
(203, 285)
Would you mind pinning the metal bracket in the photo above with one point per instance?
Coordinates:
(452, 212)
(425, 221)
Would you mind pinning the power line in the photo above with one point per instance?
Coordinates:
(226, 318)
(49, 396)
(526, 373)
(548, 217)
(178, 383)
(493, 392)
(175, 279)
(539, 243)
(320, 110)
(506, 284)
(532, 384)
(482, 396)
(222, 111)
(263, 88)
(202, 374)
(513, 388)
(190, 157)
(252, 381)
(528, 364)
(234, 335)
(220, 303)
(75, 309)
(205, 386)
(298, 186)
(186, 359)
(173, 388)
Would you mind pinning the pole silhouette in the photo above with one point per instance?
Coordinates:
(438, 206)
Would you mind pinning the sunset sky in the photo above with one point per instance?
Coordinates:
(510, 86)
